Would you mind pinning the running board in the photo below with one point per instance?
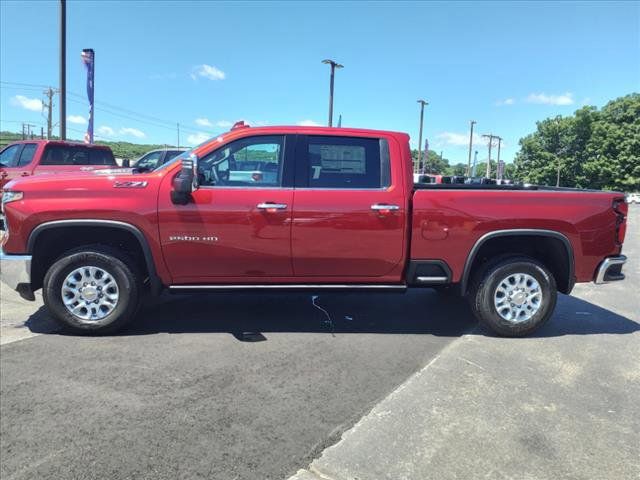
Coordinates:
(436, 280)
(287, 286)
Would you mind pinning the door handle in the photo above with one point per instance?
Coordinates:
(24, 174)
(382, 208)
(271, 206)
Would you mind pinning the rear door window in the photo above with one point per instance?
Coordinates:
(347, 162)
(171, 154)
(149, 161)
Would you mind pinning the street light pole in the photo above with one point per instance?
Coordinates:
(417, 167)
(473, 122)
(63, 69)
(334, 65)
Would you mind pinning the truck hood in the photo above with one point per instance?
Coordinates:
(95, 179)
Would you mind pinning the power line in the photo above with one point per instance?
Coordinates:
(22, 89)
(128, 117)
(147, 119)
(110, 108)
(33, 85)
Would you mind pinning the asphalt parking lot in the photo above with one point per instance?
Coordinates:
(241, 387)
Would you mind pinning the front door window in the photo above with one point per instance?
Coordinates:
(249, 162)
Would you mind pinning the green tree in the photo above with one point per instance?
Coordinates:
(457, 169)
(433, 163)
(594, 149)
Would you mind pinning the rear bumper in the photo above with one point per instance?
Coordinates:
(15, 272)
(610, 270)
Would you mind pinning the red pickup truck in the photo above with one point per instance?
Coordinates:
(302, 208)
(35, 157)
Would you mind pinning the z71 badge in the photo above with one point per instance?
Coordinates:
(129, 184)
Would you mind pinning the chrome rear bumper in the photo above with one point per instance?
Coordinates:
(610, 270)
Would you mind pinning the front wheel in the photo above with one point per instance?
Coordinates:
(92, 289)
(514, 296)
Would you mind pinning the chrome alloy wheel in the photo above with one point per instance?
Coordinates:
(517, 297)
(90, 293)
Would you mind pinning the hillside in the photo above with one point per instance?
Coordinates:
(120, 149)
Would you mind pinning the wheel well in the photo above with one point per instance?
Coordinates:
(554, 252)
(53, 242)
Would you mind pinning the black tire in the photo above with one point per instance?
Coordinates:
(486, 283)
(118, 265)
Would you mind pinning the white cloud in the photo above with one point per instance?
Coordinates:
(106, 131)
(134, 132)
(546, 99)
(207, 71)
(308, 123)
(506, 101)
(203, 122)
(79, 119)
(198, 138)
(33, 104)
(455, 139)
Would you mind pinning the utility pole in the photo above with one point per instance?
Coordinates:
(490, 136)
(29, 131)
(334, 65)
(49, 106)
(41, 133)
(23, 131)
(63, 70)
(473, 122)
(418, 167)
(475, 162)
(178, 124)
(499, 143)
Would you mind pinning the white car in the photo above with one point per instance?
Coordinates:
(633, 198)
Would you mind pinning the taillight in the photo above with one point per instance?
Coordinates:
(621, 208)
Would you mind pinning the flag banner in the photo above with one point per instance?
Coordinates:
(88, 59)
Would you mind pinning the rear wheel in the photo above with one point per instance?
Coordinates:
(514, 296)
(92, 289)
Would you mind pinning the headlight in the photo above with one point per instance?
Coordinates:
(10, 197)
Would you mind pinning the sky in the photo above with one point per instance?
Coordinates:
(206, 65)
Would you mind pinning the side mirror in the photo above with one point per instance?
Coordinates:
(126, 163)
(185, 182)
